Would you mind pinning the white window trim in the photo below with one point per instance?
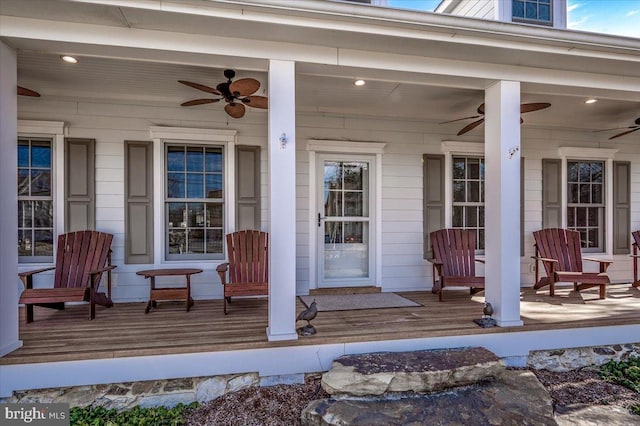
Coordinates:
(56, 130)
(317, 146)
(449, 149)
(602, 154)
(162, 135)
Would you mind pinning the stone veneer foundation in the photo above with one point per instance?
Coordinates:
(151, 393)
(570, 359)
(170, 392)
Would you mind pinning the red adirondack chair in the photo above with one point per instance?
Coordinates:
(81, 259)
(560, 252)
(248, 265)
(454, 260)
(635, 255)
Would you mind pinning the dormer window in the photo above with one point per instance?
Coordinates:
(532, 11)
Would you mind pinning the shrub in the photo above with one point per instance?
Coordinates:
(159, 416)
(625, 373)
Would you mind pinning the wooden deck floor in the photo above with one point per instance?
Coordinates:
(125, 330)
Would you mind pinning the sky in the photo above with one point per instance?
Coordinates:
(621, 17)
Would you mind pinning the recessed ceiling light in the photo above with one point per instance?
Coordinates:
(359, 82)
(591, 101)
(69, 59)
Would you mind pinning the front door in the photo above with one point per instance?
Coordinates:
(345, 225)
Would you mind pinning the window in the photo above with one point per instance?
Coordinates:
(35, 200)
(535, 11)
(194, 202)
(585, 202)
(468, 196)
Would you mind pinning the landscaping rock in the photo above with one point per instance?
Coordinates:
(595, 415)
(211, 389)
(242, 382)
(420, 371)
(515, 398)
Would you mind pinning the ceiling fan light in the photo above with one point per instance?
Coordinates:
(69, 59)
(591, 101)
(359, 83)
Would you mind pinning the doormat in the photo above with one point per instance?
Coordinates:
(348, 302)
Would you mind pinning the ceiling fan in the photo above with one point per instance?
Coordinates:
(237, 94)
(523, 108)
(23, 91)
(633, 129)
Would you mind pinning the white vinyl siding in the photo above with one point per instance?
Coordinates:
(402, 267)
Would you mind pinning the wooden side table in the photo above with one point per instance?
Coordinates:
(169, 293)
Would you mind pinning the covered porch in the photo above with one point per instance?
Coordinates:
(62, 348)
(416, 81)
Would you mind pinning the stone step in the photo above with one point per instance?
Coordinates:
(514, 398)
(419, 371)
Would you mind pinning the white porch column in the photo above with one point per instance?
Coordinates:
(9, 287)
(502, 201)
(282, 201)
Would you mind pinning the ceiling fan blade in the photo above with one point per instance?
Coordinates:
(534, 107)
(235, 110)
(244, 87)
(199, 102)
(481, 109)
(460, 119)
(256, 101)
(201, 87)
(23, 91)
(637, 121)
(624, 133)
(470, 127)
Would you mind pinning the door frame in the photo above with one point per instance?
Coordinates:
(341, 148)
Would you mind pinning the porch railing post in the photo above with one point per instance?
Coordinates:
(502, 201)
(282, 201)
(9, 288)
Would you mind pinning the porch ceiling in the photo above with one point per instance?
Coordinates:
(324, 89)
(337, 33)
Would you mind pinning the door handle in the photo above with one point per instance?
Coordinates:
(320, 220)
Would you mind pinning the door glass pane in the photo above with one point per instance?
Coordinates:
(346, 242)
(333, 203)
(332, 175)
(354, 175)
(353, 205)
(348, 256)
